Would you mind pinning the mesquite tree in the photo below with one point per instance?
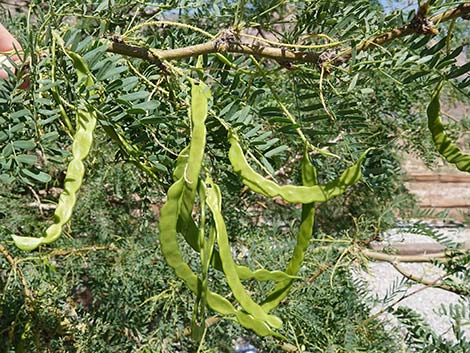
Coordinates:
(228, 107)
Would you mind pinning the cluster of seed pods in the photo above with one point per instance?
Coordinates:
(177, 213)
(176, 216)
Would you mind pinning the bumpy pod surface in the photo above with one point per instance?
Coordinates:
(189, 229)
(82, 141)
(214, 200)
(291, 193)
(444, 144)
(173, 256)
(281, 290)
(175, 217)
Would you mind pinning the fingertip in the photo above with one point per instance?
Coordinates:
(7, 41)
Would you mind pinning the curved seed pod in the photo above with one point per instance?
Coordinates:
(168, 241)
(258, 326)
(291, 193)
(190, 230)
(199, 313)
(199, 97)
(444, 144)
(214, 203)
(190, 166)
(175, 216)
(82, 141)
(280, 291)
(263, 274)
(181, 162)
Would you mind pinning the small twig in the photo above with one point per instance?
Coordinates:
(287, 167)
(322, 97)
(65, 252)
(319, 273)
(209, 322)
(167, 23)
(419, 25)
(288, 45)
(38, 200)
(11, 260)
(145, 79)
(440, 256)
(7, 256)
(460, 291)
(409, 248)
(403, 297)
(344, 252)
(287, 113)
(42, 206)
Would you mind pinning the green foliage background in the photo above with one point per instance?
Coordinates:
(124, 298)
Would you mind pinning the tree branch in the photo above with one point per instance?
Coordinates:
(440, 256)
(416, 248)
(419, 25)
(460, 291)
(156, 56)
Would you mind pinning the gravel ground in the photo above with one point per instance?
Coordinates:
(381, 276)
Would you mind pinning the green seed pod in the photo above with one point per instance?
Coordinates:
(190, 231)
(291, 193)
(82, 141)
(176, 216)
(168, 239)
(444, 144)
(214, 202)
(280, 291)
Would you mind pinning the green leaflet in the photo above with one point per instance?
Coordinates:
(82, 141)
(291, 193)
(280, 291)
(444, 144)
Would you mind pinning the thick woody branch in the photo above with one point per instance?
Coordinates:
(157, 56)
(133, 51)
(419, 25)
(462, 11)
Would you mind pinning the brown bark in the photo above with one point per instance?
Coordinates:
(419, 25)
